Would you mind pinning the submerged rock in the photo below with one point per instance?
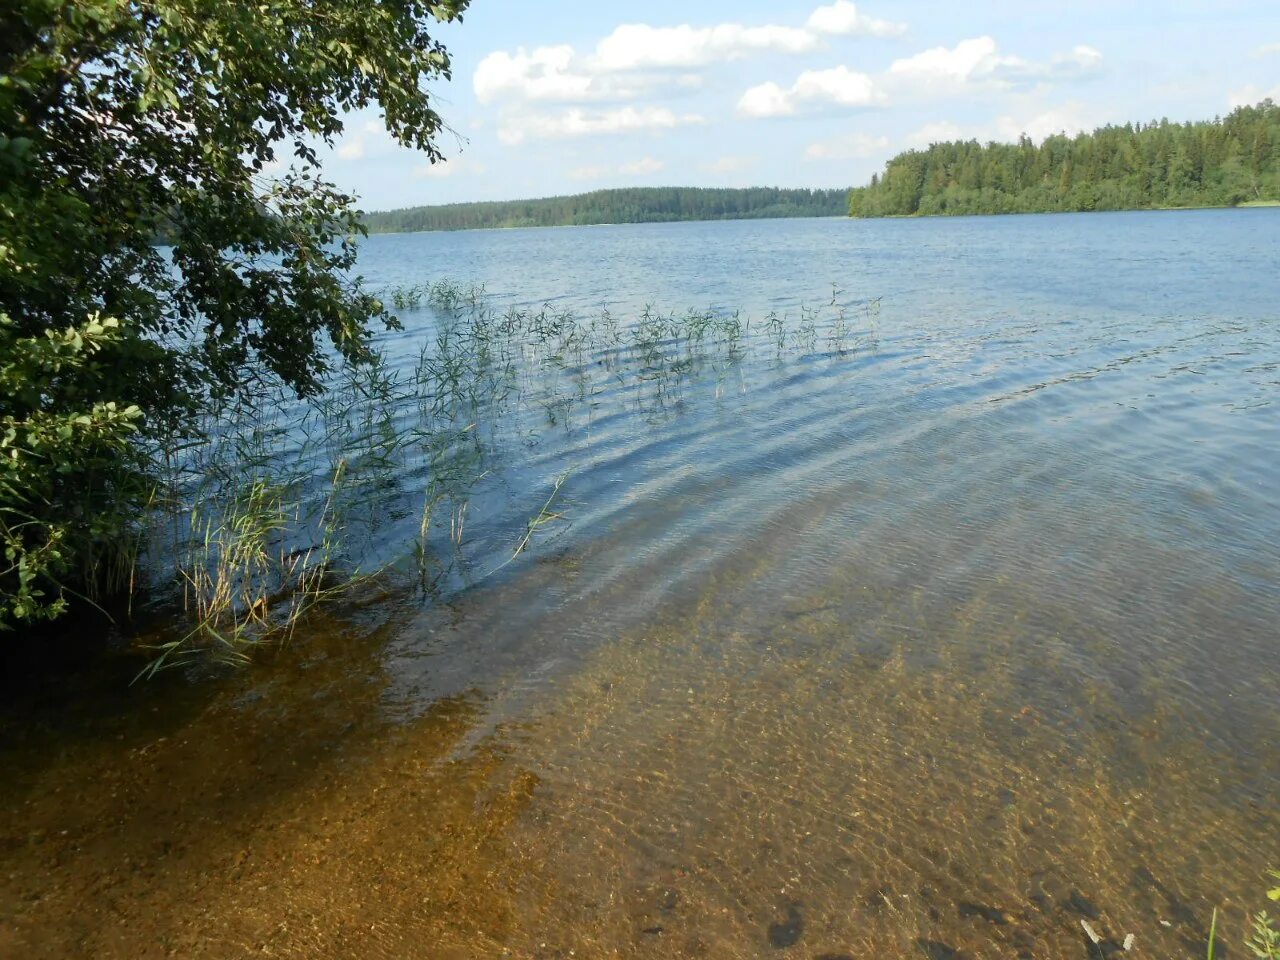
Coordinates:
(789, 932)
(1078, 903)
(990, 914)
(937, 950)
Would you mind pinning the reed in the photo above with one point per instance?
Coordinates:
(279, 505)
(541, 519)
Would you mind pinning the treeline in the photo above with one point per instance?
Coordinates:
(1219, 163)
(629, 205)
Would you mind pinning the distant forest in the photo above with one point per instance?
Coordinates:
(632, 205)
(1219, 163)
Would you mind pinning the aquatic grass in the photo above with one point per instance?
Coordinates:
(262, 506)
(776, 325)
(541, 519)
(407, 297)
(279, 505)
(807, 332)
(444, 294)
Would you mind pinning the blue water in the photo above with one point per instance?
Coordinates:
(1153, 264)
(936, 614)
(1040, 484)
(1068, 376)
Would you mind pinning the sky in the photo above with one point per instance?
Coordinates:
(564, 96)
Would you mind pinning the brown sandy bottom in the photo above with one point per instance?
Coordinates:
(737, 776)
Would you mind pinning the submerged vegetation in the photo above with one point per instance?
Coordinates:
(239, 520)
(212, 436)
(1224, 162)
(272, 504)
(630, 205)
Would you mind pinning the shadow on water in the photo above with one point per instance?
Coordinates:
(133, 814)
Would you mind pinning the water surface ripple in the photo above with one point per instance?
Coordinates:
(932, 645)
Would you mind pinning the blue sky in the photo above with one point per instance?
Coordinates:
(562, 96)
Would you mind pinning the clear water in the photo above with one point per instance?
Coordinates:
(935, 644)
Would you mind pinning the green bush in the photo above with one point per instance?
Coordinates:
(122, 122)
(71, 476)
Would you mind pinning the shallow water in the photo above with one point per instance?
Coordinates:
(932, 643)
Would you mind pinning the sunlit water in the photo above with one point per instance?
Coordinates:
(933, 639)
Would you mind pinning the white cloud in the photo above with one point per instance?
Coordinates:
(370, 137)
(449, 168)
(642, 167)
(853, 146)
(558, 75)
(1268, 50)
(943, 131)
(1251, 95)
(636, 60)
(1069, 119)
(1081, 61)
(943, 70)
(942, 65)
(637, 46)
(765, 100)
(843, 19)
(1077, 63)
(544, 74)
(645, 166)
(589, 173)
(727, 165)
(580, 123)
(838, 86)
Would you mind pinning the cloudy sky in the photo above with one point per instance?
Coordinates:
(561, 96)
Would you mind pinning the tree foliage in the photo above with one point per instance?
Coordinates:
(1223, 162)
(68, 440)
(124, 119)
(633, 205)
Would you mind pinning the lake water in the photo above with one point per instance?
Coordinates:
(930, 619)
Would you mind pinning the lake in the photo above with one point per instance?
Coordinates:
(927, 605)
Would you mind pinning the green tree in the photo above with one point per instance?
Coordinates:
(125, 120)
(1225, 161)
(627, 205)
(1066, 179)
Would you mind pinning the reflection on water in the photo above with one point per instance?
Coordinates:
(931, 648)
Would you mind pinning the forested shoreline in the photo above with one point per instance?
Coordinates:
(1223, 162)
(626, 205)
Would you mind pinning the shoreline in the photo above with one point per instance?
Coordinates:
(1252, 205)
(612, 223)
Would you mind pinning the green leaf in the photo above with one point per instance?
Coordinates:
(176, 106)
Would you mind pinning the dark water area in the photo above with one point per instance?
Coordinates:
(934, 636)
